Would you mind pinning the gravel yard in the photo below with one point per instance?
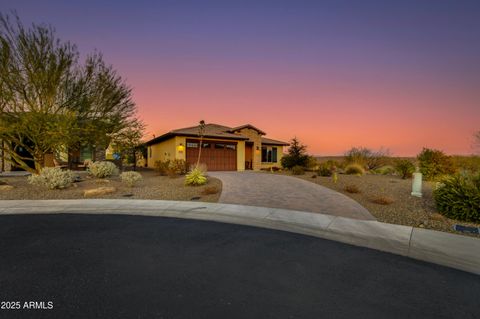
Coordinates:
(404, 210)
(152, 187)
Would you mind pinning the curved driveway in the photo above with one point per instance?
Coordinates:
(280, 191)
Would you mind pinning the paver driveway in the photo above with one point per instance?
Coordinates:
(279, 191)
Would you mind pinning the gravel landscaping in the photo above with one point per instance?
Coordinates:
(388, 199)
(153, 186)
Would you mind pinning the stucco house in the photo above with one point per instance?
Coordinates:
(223, 148)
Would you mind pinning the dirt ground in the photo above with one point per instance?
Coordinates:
(153, 186)
(404, 210)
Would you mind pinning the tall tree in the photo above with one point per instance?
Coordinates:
(48, 101)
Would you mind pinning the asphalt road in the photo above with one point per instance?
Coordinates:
(104, 266)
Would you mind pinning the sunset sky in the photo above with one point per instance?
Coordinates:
(336, 74)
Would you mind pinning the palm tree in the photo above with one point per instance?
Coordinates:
(201, 132)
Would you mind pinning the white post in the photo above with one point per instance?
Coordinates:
(417, 185)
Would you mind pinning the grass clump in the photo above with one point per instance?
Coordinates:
(383, 200)
(354, 169)
(458, 197)
(298, 170)
(353, 189)
(131, 178)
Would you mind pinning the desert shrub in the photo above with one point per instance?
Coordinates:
(178, 166)
(161, 167)
(354, 169)
(327, 168)
(53, 178)
(367, 158)
(275, 168)
(297, 155)
(458, 197)
(131, 178)
(404, 168)
(312, 164)
(210, 190)
(352, 189)
(102, 169)
(195, 177)
(314, 176)
(382, 200)
(467, 163)
(434, 163)
(385, 170)
(297, 170)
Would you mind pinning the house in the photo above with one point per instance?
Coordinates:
(223, 148)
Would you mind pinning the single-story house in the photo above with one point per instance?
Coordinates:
(223, 148)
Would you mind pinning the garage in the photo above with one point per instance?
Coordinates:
(217, 156)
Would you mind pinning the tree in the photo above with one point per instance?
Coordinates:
(297, 155)
(129, 141)
(201, 132)
(49, 102)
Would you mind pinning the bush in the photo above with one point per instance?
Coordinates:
(177, 167)
(195, 177)
(297, 155)
(53, 178)
(367, 158)
(354, 169)
(467, 163)
(297, 170)
(385, 170)
(102, 169)
(131, 178)
(434, 163)
(352, 189)
(404, 168)
(161, 167)
(458, 197)
(327, 168)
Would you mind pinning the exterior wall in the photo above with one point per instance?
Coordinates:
(175, 148)
(256, 138)
(278, 163)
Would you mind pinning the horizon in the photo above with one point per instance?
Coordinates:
(335, 74)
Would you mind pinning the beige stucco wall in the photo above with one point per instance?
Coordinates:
(175, 148)
(278, 163)
(256, 138)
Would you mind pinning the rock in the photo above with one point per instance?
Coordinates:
(6, 187)
(99, 191)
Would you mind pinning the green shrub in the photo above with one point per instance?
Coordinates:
(326, 169)
(297, 155)
(405, 168)
(367, 158)
(102, 169)
(458, 197)
(298, 170)
(195, 177)
(178, 167)
(131, 178)
(434, 163)
(161, 167)
(354, 169)
(53, 178)
(385, 170)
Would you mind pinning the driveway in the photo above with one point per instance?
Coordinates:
(110, 266)
(280, 191)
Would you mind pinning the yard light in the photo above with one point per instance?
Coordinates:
(180, 148)
(417, 185)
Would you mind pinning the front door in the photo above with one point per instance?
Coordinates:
(248, 155)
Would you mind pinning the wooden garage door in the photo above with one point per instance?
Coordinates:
(217, 156)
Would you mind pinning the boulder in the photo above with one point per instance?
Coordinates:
(6, 187)
(99, 191)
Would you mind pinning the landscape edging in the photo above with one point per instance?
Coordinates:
(428, 245)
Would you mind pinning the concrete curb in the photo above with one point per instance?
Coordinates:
(446, 249)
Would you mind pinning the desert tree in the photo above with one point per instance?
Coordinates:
(50, 102)
(297, 155)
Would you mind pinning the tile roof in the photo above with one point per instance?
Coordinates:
(269, 141)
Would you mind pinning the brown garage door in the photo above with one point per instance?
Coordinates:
(217, 156)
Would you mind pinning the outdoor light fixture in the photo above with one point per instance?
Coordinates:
(180, 147)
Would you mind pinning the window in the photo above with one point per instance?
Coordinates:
(206, 145)
(231, 146)
(150, 151)
(219, 145)
(269, 154)
(192, 145)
